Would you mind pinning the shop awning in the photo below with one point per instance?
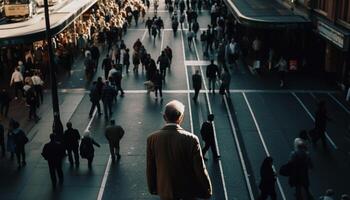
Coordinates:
(34, 29)
(265, 14)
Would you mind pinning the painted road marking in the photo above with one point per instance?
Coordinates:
(312, 117)
(216, 140)
(339, 103)
(263, 142)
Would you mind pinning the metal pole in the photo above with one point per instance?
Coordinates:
(57, 127)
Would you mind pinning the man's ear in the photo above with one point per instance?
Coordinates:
(181, 118)
(165, 119)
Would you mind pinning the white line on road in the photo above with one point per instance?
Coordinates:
(313, 119)
(216, 140)
(188, 83)
(338, 102)
(144, 35)
(263, 142)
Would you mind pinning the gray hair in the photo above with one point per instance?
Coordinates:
(174, 110)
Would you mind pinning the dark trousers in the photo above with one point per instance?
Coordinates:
(118, 86)
(196, 92)
(301, 191)
(106, 74)
(265, 194)
(76, 155)
(211, 83)
(90, 159)
(4, 108)
(114, 150)
(2, 144)
(39, 90)
(56, 167)
(212, 146)
(95, 104)
(32, 112)
(156, 89)
(107, 107)
(20, 154)
(163, 72)
(18, 87)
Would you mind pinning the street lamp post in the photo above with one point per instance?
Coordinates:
(57, 127)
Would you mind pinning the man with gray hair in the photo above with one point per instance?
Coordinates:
(175, 166)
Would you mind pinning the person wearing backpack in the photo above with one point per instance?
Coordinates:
(53, 152)
(87, 150)
(20, 140)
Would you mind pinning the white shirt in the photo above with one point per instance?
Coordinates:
(16, 77)
(37, 80)
(112, 71)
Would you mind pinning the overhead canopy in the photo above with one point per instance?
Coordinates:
(265, 14)
(34, 29)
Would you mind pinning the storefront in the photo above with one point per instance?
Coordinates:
(336, 61)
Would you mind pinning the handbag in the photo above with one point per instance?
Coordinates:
(286, 169)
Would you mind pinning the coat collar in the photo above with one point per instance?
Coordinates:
(169, 126)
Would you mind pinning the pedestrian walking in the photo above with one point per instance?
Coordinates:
(207, 133)
(2, 140)
(118, 82)
(175, 167)
(95, 98)
(225, 82)
(282, 70)
(182, 19)
(203, 39)
(108, 95)
(136, 61)
(164, 63)
(106, 65)
(195, 28)
(182, 8)
(89, 67)
(71, 139)
(197, 84)
(267, 180)
(87, 150)
(190, 36)
(169, 52)
(158, 84)
(33, 101)
(174, 25)
(299, 177)
(4, 102)
(148, 25)
(17, 82)
(95, 56)
(38, 87)
(212, 72)
(114, 133)
(321, 119)
(53, 152)
(20, 140)
(126, 60)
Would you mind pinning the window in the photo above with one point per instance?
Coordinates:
(344, 10)
(321, 5)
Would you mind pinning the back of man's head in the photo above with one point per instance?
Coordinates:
(174, 110)
(211, 117)
(69, 124)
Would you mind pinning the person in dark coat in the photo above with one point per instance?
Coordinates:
(87, 150)
(2, 140)
(126, 60)
(212, 72)
(114, 134)
(108, 95)
(268, 180)
(321, 118)
(207, 133)
(197, 84)
(106, 65)
(20, 140)
(149, 24)
(299, 177)
(95, 55)
(53, 152)
(158, 84)
(32, 100)
(164, 63)
(169, 52)
(71, 139)
(95, 99)
(118, 82)
(4, 102)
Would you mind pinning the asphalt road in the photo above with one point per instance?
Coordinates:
(257, 119)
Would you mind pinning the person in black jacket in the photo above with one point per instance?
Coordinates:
(164, 63)
(95, 55)
(207, 133)
(108, 95)
(268, 180)
(95, 99)
(107, 65)
(158, 84)
(212, 72)
(20, 140)
(87, 148)
(149, 24)
(4, 102)
(53, 152)
(71, 139)
(321, 118)
(197, 84)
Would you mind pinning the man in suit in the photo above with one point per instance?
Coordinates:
(212, 73)
(197, 84)
(175, 166)
(207, 132)
(114, 134)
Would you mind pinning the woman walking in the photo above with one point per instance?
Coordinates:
(87, 150)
